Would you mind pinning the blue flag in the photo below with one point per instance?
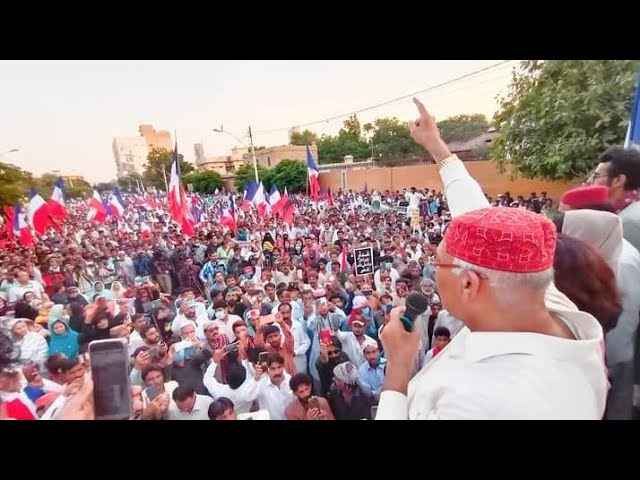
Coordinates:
(633, 133)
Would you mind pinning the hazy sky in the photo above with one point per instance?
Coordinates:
(64, 114)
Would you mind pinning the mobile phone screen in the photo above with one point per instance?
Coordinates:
(110, 371)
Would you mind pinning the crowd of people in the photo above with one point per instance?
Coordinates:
(275, 321)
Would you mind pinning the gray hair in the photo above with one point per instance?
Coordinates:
(500, 279)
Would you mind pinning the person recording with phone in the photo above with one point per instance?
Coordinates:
(274, 392)
(268, 334)
(156, 397)
(241, 387)
(306, 406)
(331, 355)
(189, 356)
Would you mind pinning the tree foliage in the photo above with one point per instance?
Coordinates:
(291, 174)
(559, 115)
(73, 188)
(462, 128)
(129, 183)
(160, 159)
(14, 184)
(204, 182)
(102, 186)
(245, 174)
(391, 140)
(306, 137)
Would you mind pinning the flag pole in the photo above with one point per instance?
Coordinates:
(253, 156)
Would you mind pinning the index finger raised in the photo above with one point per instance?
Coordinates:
(421, 108)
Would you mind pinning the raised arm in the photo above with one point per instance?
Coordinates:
(462, 191)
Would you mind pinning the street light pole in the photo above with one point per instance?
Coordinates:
(254, 159)
(253, 155)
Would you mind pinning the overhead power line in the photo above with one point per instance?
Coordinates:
(378, 105)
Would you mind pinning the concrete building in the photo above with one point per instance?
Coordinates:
(223, 164)
(130, 154)
(159, 139)
(272, 156)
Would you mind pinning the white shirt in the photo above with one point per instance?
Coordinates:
(200, 410)
(275, 399)
(351, 346)
(199, 321)
(259, 415)
(620, 340)
(242, 397)
(17, 291)
(451, 323)
(301, 344)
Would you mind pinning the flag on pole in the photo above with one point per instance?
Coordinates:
(20, 228)
(38, 213)
(56, 203)
(97, 210)
(633, 132)
(117, 204)
(249, 195)
(313, 173)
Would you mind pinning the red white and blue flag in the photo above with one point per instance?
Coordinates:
(38, 213)
(57, 206)
(313, 173)
(117, 204)
(21, 230)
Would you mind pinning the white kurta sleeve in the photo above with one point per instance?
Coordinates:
(393, 406)
(461, 189)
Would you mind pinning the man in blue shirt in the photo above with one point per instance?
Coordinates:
(371, 372)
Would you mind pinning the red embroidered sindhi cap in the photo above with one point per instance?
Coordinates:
(581, 197)
(502, 238)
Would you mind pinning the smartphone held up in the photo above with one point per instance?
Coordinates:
(111, 385)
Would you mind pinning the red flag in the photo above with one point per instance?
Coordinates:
(9, 215)
(286, 213)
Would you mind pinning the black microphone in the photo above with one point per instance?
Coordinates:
(416, 304)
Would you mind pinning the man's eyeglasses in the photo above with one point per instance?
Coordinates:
(436, 264)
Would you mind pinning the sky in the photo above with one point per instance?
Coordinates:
(63, 115)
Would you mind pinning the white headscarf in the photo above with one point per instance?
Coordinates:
(602, 230)
(346, 372)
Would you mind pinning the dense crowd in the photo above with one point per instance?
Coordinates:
(271, 320)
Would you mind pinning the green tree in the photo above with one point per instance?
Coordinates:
(307, 137)
(391, 140)
(559, 115)
(291, 174)
(245, 174)
(129, 183)
(102, 186)
(14, 184)
(462, 128)
(159, 160)
(74, 188)
(349, 141)
(204, 182)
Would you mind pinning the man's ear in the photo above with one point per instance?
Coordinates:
(619, 180)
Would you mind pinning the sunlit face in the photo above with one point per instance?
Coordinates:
(73, 374)
(20, 329)
(276, 372)
(240, 332)
(357, 327)
(273, 339)
(600, 176)
(372, 355)
(188, 332)
(152, 336)
(229, 414)
(441, 341)
(59, 328)
(155, 379)
(303, 392)
(188, 404)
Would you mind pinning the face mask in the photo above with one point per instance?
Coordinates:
(388, 265)
(220, 314)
